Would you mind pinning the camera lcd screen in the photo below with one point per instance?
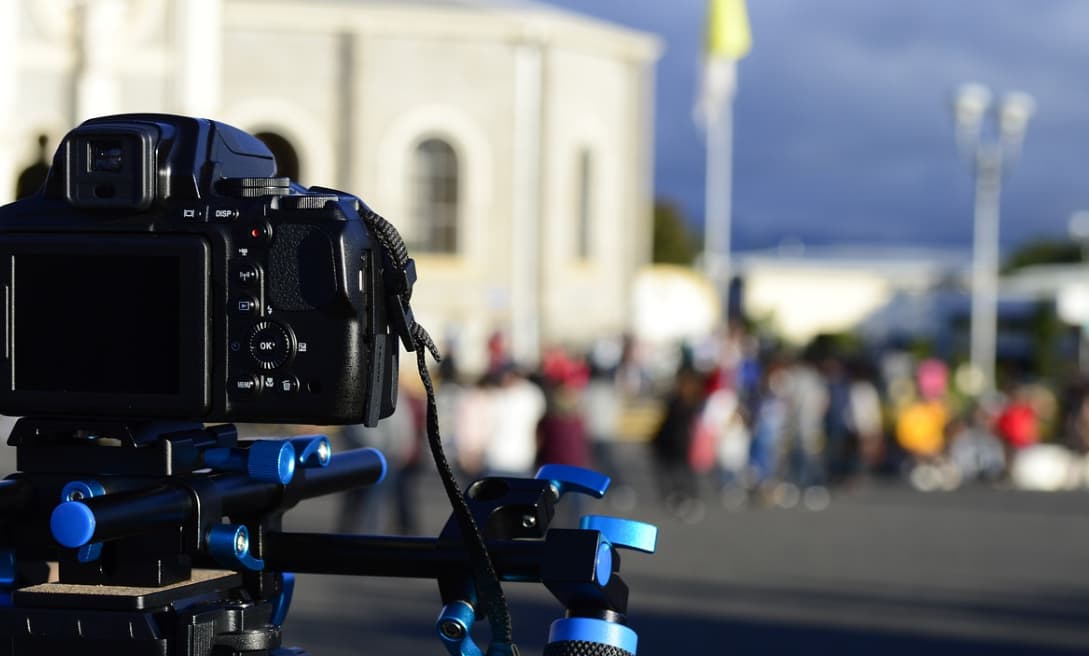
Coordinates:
(102, 324)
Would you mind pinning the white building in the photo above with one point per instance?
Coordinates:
(511, 142)
(804, 292)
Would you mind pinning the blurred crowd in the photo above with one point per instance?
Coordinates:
(737, 421)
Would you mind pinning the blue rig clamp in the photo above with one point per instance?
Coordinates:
(229, 544)
(578, 566)
(312, 450)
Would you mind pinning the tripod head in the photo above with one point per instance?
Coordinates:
(168, 540)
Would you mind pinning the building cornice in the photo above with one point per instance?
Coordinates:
(516, 24)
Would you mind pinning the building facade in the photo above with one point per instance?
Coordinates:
(510, 142)
(876, 292)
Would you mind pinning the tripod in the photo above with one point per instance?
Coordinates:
(133, 516)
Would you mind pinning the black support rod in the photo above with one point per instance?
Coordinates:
(403, 557)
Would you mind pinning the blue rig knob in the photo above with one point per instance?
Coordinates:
(72, 524)
(567, 478)
(270, 461)
(76, 525)
(603, 567)
(623, 533)
(312, 450)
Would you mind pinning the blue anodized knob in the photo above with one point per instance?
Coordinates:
(623, 533)
(567, 478)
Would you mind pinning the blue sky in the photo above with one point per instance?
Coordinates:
(843, 131)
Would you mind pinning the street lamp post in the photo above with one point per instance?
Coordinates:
(990, 148)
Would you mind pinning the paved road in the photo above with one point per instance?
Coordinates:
(884, 570)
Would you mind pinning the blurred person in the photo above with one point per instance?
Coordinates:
(33, 177)
(1045, 403)
(932, 379)
(518, 405)
(1017, 424)
(920, 431)
(449, 396)
(671, 443)
(973, 448)
(631, 375)
(562, 431)
(558, 367)
(770, 427)
(841, 440)
(400, 439)
(724, 418)
(473, 425)
(562, 438)
(865, 416)
(602, 402)
(807, 399)
(499, 357)
(1075, 412)
(750, 369)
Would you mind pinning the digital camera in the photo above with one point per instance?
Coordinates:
(163, 271)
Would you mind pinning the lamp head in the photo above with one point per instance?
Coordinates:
(1014, 113)
(970, 103)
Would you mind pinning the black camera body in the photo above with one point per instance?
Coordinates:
(164, 272)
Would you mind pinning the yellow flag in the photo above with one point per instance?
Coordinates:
(728, 29)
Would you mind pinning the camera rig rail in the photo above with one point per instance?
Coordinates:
(133, 515)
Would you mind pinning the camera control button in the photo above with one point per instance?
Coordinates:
(257, 234)
(224, 214)
(246, 385)
(287, 385)
(246, 275)
(270, 345)
(193, 214)
(246, 306)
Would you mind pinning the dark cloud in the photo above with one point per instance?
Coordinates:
(842, 122)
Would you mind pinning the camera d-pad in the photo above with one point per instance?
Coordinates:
(271, 345)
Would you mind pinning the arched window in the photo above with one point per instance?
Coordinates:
(435, 181)
(584, 191)
(287, 159)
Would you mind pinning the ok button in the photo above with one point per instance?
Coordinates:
(270, 345)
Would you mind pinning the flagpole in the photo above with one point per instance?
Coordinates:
(718, 188)
(727, 40)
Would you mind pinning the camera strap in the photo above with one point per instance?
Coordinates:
(415, 338)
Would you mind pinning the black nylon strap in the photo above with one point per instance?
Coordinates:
(489, 589)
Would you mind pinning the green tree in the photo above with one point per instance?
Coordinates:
(673, 239)
(1042, 251)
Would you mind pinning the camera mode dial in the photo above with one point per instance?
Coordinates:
(270, 345)
(254, 187)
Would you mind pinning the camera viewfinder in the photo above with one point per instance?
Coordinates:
(106, 156)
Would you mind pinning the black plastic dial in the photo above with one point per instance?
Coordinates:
(270, 345)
